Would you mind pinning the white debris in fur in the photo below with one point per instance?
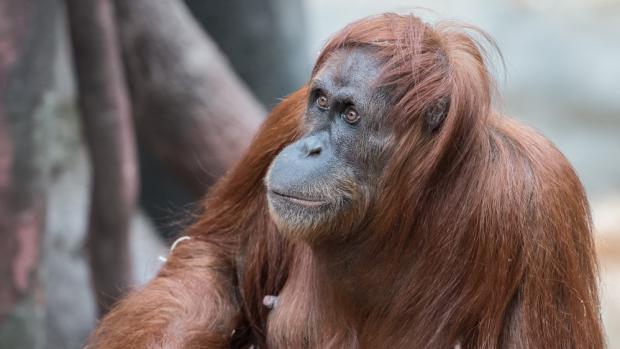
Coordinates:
(174, 244)
(270, 301)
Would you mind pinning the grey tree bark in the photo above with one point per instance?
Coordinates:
(265, 42)
(108, 130)
(25, 78)
(191, 110)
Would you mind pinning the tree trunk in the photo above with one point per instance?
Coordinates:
(108, 130)
(265, 42)
(192, 112)
(26, 41)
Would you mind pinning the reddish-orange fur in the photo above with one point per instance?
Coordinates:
(481, 235)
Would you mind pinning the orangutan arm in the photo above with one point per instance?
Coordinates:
(190, 304)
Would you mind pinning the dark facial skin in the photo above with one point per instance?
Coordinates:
(329, 176)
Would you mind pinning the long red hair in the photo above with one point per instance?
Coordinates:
(480, 235)
(490, 216)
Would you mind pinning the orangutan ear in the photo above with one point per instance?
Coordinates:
(436, 113)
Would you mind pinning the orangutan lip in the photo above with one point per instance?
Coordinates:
(298, 200)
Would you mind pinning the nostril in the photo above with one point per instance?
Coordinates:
(311, 146)
(314, 151)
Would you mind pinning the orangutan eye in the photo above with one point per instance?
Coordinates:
(350, 115)
(322, 102)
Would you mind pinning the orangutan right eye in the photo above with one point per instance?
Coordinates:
(323, 102)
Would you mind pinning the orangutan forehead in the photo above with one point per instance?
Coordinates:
(348, 68)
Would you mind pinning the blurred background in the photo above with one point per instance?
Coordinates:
(117, 115)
